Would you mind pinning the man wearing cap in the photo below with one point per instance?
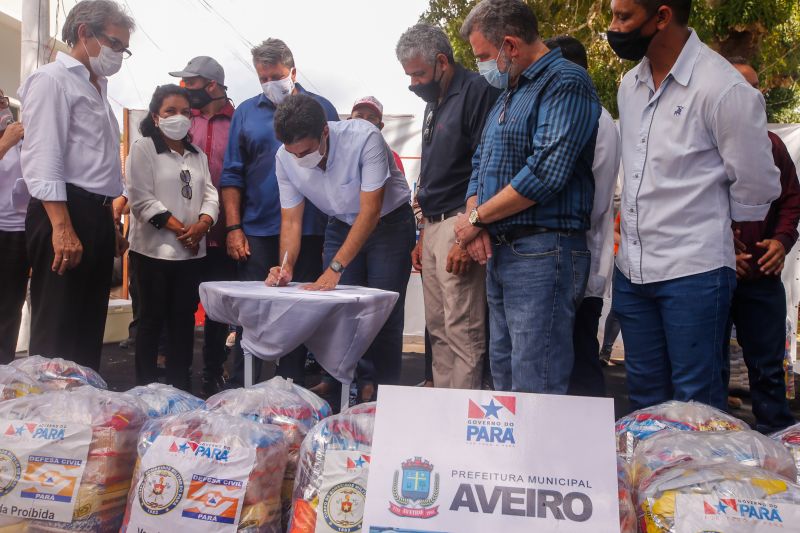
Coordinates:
(250, 190)
(454, 286)
(212, 111)
(370, 109)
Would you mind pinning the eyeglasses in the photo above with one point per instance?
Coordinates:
(186, 178)
(427, 132)
(117, 45)
(503, 111)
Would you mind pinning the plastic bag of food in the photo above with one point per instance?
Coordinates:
(73, 452)
(747, 447)
(320, 406)
(208, 472)
(675, 416)
(715, 497)
(14, 383)
(627, 511)
(278, 403)
(790, 438)
(369, 408)
(164, 400)
(331, 484)
(58, 374)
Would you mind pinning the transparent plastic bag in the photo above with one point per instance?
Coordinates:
(369, 408)
(342, 432)
(14, 383)
(164, 400)
(320, 406)
(670, 416)
(658, 496)
(261, 503)
(115, 420)
(58, 374)
(627, 511)
(747, 447)
(790, 438)
(278, 403)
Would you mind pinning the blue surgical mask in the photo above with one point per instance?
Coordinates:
(488, 69)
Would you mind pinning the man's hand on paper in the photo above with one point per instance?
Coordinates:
(278, 278)
(326, 282)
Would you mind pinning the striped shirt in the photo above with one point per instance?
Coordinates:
(540, 138)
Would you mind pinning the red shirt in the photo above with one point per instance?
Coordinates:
(399, 162)
(210, 134)
(783, 215)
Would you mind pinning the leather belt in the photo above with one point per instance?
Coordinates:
(433, 219)
(83, 193)
(520, 232)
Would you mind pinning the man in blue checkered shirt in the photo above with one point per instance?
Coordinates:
(530, 196)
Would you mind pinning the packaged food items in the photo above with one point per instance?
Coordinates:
(747, 447)
(73, 452)
(331, 484)
(362, 408)
(790, 438)
(207, 471)
(278, 403)
(58, 374)
(320, 406)
(627, 511)
(671, 416)
(163, 400)
(716, 497)
(14, 383)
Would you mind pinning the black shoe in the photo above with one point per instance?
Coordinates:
(212, 385)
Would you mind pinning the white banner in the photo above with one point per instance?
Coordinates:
(706, 513)
(41, 465)
(342, 492)
(196, 485)
(491, 461)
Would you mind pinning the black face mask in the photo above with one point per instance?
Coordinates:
(430, 91)
(199, 98)
(630, 45)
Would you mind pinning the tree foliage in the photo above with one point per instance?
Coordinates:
(766, 32)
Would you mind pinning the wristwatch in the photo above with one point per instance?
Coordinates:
(474, 219)
(336, 266)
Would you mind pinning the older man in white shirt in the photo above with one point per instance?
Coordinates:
(71, 166)
(348, 172)
(587, 372)
(696, 156)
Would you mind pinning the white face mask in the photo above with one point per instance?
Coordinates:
(278, 91)
(175, 127)
(6, 118)
(107, 63)
(313, 159)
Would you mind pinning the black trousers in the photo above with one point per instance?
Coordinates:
(587, 372)
(69, 312)
(168, 296)
(758, 310)
(265, 254)
(218, 266)
(13, 286)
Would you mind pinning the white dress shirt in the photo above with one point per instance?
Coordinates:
(154, 187)
(696, 154)
(600, 237)
(12, 210)
(71, 133)
(359, 160)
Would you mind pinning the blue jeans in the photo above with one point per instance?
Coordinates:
(673, 333)
(758, 310)
(383, 263)
(534, 287)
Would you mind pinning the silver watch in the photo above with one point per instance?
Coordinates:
(337, 267)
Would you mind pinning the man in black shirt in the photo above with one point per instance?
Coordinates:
(454, 286)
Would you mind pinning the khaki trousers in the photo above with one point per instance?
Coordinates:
(455, 311)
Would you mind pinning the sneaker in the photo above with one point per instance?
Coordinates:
(605, 356)
(130, 342)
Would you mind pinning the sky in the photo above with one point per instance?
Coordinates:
(343, 49)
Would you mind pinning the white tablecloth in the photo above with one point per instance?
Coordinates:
(337, 326)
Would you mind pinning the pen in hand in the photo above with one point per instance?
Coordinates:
(283, 265)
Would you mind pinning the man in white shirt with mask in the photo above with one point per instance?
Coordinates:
(250, 189)
(71, 166)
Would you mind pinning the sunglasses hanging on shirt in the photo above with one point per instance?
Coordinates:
(186, 189)
(427, 132)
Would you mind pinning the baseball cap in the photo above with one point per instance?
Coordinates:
(204, 67)
(369, 101)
